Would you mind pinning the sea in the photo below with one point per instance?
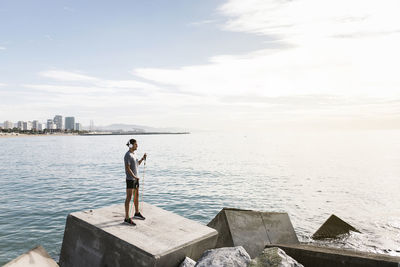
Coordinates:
(308, 174)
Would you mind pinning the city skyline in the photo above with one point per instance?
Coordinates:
(203, 65)
(57, 123)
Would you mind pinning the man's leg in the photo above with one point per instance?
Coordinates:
(129, 192)
(136, 199)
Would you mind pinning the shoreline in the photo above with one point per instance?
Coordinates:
(15, 135)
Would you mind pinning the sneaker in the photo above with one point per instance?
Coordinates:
(139, 216)
(129, 221)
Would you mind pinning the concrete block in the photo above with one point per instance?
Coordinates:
(100, 238)
(332, 228)
(36, 257)
(252, 229)
(313, 256)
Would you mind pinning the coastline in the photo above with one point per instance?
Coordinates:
(14, 135)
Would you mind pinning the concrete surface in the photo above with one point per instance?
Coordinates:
(36, 257)
(252, 229)
(100, 238)
(333, 227)
(312, 256)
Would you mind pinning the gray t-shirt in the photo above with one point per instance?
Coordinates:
(133, 162)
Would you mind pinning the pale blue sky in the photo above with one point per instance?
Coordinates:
(201, 64)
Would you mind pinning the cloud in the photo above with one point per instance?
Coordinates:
(94, 82)
(307, 20)
(312, 59)
(67, 76)
(204, 22)
(2, 48)
(2, 84)
(67, 89)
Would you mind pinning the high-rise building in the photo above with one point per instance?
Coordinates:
(35, 125)
(70, 123)
(41, 126)
(91, 125)
(20, 125)
(8, 125)
(50, 124)
(58, 121)
(78, 126)
(27, 126)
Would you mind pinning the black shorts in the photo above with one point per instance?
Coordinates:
(130, 184)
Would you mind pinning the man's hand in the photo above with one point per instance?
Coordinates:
(144, 156)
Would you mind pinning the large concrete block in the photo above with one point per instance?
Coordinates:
(313, 256)
(252, 229)
(333, 227)
(36, 257)
(100, 238)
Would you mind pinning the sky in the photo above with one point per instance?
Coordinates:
(210, 64)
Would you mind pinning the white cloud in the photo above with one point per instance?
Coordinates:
(2, 48)
(2, 84)
(67, 76)
(203, 22)
(307, 20)
(101, 85)
(67, 89)
(317, 55)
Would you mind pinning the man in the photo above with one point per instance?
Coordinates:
(132, 180)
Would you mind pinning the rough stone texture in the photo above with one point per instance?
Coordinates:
(252, 229)
(332, 228)
(224, 257)
(312, 256)
(274, 257)
(100, 238)
(36, 257)
(188, 262)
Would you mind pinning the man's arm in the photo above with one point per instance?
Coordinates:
(143, 158)
(128, 169)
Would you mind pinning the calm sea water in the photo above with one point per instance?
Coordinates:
(355, 175)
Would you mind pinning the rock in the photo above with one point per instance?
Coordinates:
(188, 262)
(36, 257)
(252, 229)
(224, 257)
(274, 257)
(332, 228)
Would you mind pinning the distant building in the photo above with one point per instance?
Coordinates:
(27, 126)
(70, 123)
(20, 125)
(58, 121)
(8, 125)
(78, 126)
(35, 125)
(41, 126)
(50, 124)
